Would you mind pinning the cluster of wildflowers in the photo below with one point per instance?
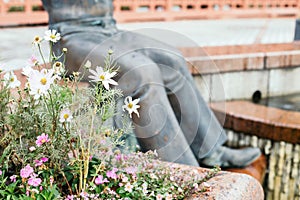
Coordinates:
(57, 140)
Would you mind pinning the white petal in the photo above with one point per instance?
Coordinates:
(106, 85)
(99, 70)
(113, 74)
(136, 101)
(112, 82)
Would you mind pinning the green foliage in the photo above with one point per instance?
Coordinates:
(58, 140)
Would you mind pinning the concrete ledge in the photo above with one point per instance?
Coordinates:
(226, 63)
(210, 60)
(225, 185)
(239, 49)
(259, 120)
(229, 186)
(282, 59)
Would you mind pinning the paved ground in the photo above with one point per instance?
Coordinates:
(15, 45)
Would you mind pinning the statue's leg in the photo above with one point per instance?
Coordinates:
(199, 125)
(197, 122)
(157, 127)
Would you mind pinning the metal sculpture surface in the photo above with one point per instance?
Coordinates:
(174, 118)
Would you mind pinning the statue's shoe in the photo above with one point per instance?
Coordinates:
(226, 157)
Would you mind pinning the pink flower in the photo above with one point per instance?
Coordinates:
(41, 161)
(99, 180)
(70, 197)
(118, 157)
(44, 159)
(84, 194)
(38, 163)
(33, 60)
(13, 178)
(0, 172)
(42, 139)
(131, 170)
(26, 171)
(41, 188)
(33, 181)
(51, 180)
(112, 174)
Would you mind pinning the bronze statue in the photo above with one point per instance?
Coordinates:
(174, 118)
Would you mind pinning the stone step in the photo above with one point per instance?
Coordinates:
(257, 169)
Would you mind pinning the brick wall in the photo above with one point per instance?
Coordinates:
(15, 12)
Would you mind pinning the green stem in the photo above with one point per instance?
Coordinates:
(53, 114)
(80, 165)
(41, 53)
(65, 178)
(87, 154)
(50, 56)
(70, 142)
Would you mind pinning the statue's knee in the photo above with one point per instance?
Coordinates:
(139, 78)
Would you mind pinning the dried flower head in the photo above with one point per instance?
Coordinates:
(37, 40)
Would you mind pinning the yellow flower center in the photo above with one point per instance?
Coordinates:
(130, 105)
(43, 81)
(66, 116)
(12, 79)
(52, 36)
(43, 140)
(102, 77)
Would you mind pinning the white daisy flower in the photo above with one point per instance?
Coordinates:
(131, 106)
(40, 82)
(52, 35)
(128, 187)
(102, 76)
(65, 116)
(11, 80)
(32, 148)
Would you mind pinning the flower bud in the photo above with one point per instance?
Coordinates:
(110, 52)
